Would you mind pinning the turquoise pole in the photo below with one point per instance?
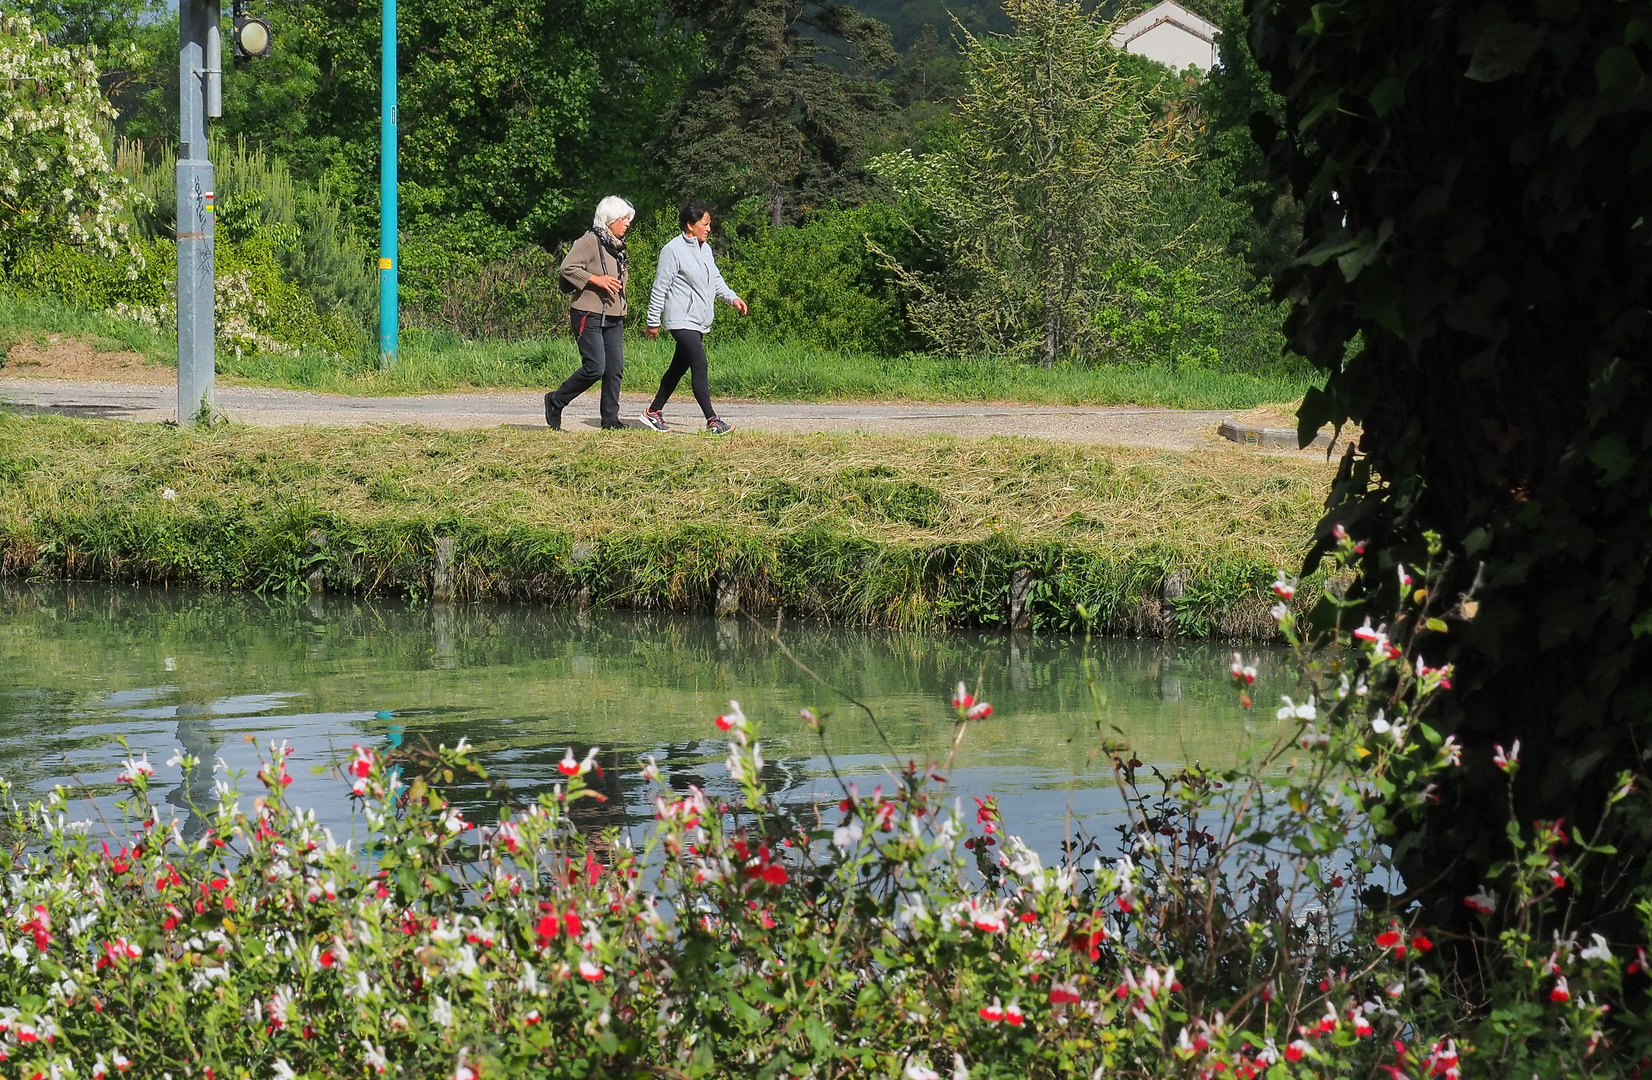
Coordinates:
(387, 193)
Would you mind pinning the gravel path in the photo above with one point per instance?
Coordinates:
(1171, 429)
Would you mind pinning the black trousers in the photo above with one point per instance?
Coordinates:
(602, 355)
(690, 357)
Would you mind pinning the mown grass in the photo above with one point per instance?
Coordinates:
(741, 369)
(917, 532)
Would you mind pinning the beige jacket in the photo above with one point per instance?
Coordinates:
(586, 258)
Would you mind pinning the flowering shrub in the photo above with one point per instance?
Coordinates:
(57, 184)
(894, 933)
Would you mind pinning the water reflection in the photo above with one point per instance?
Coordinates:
(81, 666)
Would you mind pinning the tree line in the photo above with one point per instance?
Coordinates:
(1005, 181)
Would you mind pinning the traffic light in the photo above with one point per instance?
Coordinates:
(252, 34)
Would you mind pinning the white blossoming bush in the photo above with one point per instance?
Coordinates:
(57, 184)
(893, 934)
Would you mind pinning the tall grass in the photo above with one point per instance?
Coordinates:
(740, 368)
(888, 531)
(35, 318)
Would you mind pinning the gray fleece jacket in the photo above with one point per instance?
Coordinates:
(686, 286)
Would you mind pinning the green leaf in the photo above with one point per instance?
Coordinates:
(1612, 456)
(1502, 49)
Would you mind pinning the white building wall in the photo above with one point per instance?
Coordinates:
(1172, 35)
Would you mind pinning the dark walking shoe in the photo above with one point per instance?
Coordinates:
(716, 427)
(553, 415)
(652, 420)
(618, 425)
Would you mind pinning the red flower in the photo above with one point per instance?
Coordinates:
(1391, 939)
(590, 972)
(1561, 992)
(1013, 1014)
(1296, 1050)
(993, 1013)
(962, 698)
(1064, 994)
(569, 765)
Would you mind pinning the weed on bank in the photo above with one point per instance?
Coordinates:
(922, 532)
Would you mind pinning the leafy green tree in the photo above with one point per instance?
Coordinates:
(1475, 268)
(523, 114)
(1054, 161)
(785, 108)
(57, 184)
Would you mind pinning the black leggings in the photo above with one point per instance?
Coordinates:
(690, 356)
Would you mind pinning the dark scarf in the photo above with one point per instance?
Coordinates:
(615, 247)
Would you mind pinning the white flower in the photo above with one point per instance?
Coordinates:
(441, 1013)
(847, 835)
(1598, 951)
(168, 494)
(283, 1071)
(1290, 710)
(1379, 724)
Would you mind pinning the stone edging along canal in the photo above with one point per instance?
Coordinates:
(889, 531)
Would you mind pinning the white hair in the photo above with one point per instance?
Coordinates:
(611, 209)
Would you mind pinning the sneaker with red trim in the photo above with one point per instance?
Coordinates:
(652, 419)
(715, 426)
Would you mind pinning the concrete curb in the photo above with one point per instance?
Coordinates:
(1266, 438)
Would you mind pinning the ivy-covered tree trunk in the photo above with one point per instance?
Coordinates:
(1478, 190)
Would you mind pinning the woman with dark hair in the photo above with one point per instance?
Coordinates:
(686, 287)
(595, 271)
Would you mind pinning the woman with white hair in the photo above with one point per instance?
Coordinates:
(595, 271)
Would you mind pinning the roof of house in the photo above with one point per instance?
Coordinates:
(1167, 12)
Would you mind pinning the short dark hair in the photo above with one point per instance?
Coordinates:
(693, 210)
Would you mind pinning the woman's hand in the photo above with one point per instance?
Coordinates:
(740, 306)
(608, 283)
(653, 331)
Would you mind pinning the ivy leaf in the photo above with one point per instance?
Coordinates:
(1503, 49)
(1611, 455)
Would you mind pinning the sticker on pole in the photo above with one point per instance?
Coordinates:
(206, 204)
(385, 264)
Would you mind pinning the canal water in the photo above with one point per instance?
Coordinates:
(221, 675)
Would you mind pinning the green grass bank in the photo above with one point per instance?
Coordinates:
(906, 532)
(741, 368)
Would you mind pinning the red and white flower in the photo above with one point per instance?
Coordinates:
(570, 767)
(994, 1013)
(132, 768)
(1507, 761)
(589, 971)
(733, 720)
(360, 768)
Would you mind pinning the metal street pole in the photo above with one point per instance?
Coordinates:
(388, 317)
(200, 93)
